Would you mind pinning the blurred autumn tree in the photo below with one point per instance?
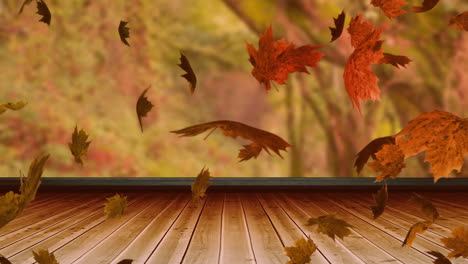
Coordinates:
(78, 72)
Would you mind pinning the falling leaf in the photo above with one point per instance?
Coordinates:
(12, 106)
(115, 206)
(460, 21)
(44, 257)
(395, 60)
(273, 61)
(79, 145)
(417, 228)
(390, 161)
(380, 198)
(360, 81)
(331, 226)
(369, 150)
(143, 106)
(189, 75)
(25, 3)
(44, 11)
(12, 204)
(426, 206)
(200, 185)
(442, 135)
(458, 242)
(125, 261)
(124, 32)
(300, 254)
(440, 259)
(339, 24)
(261, 138)
(4, 260)
(426, 6)
(391, 8)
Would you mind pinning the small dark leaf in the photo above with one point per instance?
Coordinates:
(395, 60)
(426, 206)
(189, 75)
(441, 259)
(339, 24)
(124, 32)
(125, 261)
(380, 198)
(426, 6)
(44, 11)
(4, 260)
(143, 106)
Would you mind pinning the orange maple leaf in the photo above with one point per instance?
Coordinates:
(390, 8)
(360, 81)
(458, 242)
(273, 61)
(390, 161)
(460, 21)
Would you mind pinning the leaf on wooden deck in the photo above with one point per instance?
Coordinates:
(458, 242)
(4, 260)
(331, 226)
(125, 261)
(115, 206)
(200, 185)
(44, 257)
(440, 259)
(380, 198)
(417, 228)
(300, 254)
(426, 206)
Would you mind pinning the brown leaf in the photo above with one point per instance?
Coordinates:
(440, 259)
(426, 6)
(442, 135)
(426, 206)
(262, 139)
(115, 205)
(390, 161)
(4, 260)
(339, 24)
(331, 226)
(25, 3)
(370, 149)
(125, 261)
(395, 60)
(44, 257)
(458, 242)
(79, 145)
(460, 21)
(124, 32)
(275, 60)
(391, 8)
(12, 106)
(380, 198)
(143, 106)
(417, 228)
(300, 254)
(189, 75)
(200, 185)
(44, 11)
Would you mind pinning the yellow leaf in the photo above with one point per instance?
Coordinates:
(300, 254)
(200, 185)
(389, 161)
(79, 145)
(442, 135)
(331, 226)
(12, 106)
(44, 257)
(419, 227)
(458, 242)
(11, 205)
(115, 205)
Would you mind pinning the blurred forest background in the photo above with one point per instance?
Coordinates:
(77, 72)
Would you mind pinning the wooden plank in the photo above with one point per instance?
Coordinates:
(67, 235)
(333, 252)
(175, 243)
(114, 244)
(266, 244)
(287, 230)
(390, 244)
(235, 240)
(85, 242)
(144, 244)
(205, 245)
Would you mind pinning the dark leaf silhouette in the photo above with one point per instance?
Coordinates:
(417, 228)
(390, 160)
(189, 75)
(339, 24)
(44, 11)
(380, 198)
(395, 60)
(79, 145)
(12, 106)
(391, 8)
(143, 106)
(115, 205)
(331, 226)
(440, 259)
(261, 138)
(460, 21)
(369, 151)
(25, 3)
(275, 60)
(4, 260)
(426, 6)
(200, 185)
(124, 32)
(125, 261)
(426, 206)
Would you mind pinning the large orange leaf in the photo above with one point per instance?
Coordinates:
(389, 161)
(274, 60)
(442, 135)
(458, 242)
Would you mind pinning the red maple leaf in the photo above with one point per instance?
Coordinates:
(273, 61)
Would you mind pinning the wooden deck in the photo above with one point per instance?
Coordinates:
(227, 227)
